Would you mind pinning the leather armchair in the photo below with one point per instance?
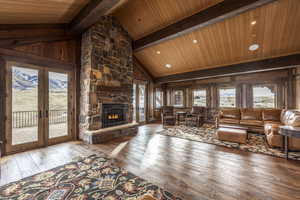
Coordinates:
(195, 117)
(274, 139)
(167, 116)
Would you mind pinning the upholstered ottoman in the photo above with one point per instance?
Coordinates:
(147, 197)
(232, 135)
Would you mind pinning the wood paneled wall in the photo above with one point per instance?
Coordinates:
(243, 85)
(62, 50)
(297, 87)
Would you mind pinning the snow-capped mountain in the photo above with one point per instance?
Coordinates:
(24, 80)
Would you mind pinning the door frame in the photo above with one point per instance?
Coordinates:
(70, 120)
(137, 100)
(43, 132)
(9, 148)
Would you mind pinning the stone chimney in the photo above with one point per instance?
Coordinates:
(106, 71)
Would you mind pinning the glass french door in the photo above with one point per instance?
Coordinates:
(139, 102)
(58, 107)
(38, 107)
(142, 102)
(134, 106)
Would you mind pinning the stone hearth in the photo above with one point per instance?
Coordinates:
(106, 74)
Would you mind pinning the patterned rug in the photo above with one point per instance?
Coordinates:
(256, 142)
(93, 177)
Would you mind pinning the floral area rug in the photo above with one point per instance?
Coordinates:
(93, 177)
(256, 142)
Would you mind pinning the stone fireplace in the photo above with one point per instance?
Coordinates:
(106, 79)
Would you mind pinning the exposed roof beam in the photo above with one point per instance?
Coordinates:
(211, 15)
(14, 42)
(236, 69)
(9, 27)
(12, 35)
(90, 14)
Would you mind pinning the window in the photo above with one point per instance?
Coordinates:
(227, 97)
(178, 98)
(199, 97)
(158, 98)
(264, 96)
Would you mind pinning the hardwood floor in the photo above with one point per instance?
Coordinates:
(189, 169)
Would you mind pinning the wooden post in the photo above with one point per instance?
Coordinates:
(165, 95)
(290, 90)
(77, 90)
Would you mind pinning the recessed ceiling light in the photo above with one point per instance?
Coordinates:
(253, 47)
(253, 22)
(195, 41)
(158, 52)
(168, 65)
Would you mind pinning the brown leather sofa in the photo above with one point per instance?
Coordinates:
(253, 119)
(266, 121)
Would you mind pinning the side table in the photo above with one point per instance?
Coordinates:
(286, 132)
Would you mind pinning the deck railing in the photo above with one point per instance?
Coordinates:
(22, 119)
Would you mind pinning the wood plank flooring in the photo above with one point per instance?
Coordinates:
(189, 169)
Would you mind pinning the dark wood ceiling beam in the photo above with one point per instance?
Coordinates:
(211, 15)
(17, 56)
(14, 42)
(10, 27)
(90, 14)
(236, 69)
(12, 35)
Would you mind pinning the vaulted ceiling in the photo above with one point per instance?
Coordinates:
(273, 26)
(142, 17)
(276, 31)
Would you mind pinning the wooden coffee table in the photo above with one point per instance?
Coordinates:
(288, 131)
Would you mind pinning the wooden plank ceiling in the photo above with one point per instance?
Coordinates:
(276, 31)
(39, 11)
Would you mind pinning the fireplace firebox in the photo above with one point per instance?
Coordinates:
(114, 114)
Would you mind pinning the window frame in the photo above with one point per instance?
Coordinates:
(173, 98)
(264, 85)
(206, 94)
(219, 96)
(162, 98)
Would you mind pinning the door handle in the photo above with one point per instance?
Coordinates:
(46, 114)
(40, 114)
